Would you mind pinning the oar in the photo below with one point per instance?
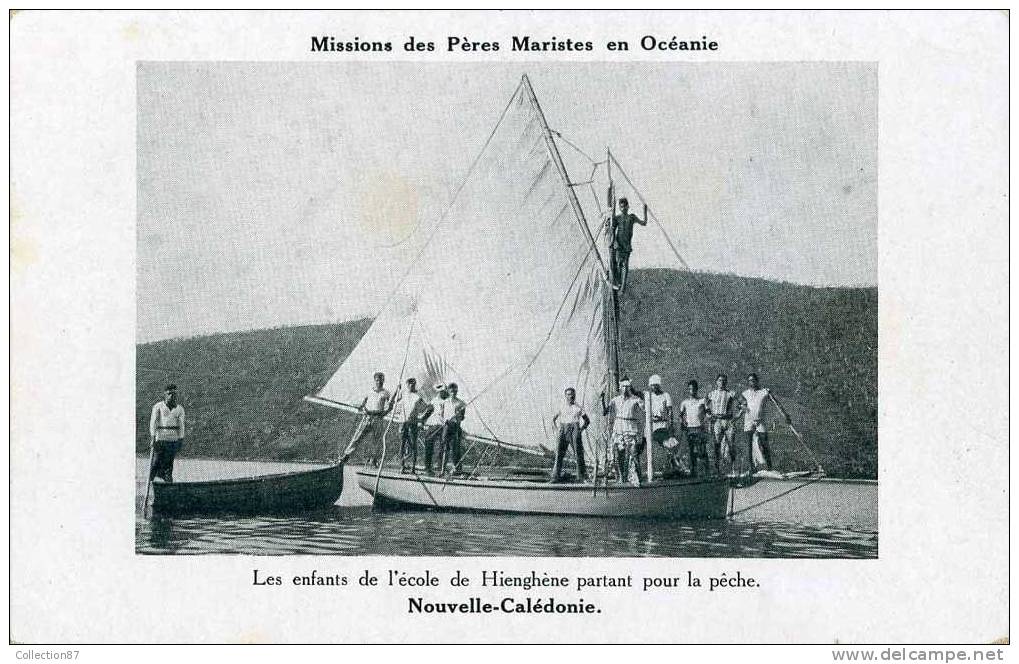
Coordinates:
(385, 433)
(343, 456)
(148, 478)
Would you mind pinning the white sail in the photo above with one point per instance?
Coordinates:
(506, 299)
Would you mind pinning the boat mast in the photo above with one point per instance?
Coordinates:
(613, 308)
(557, 159)
(613, 327)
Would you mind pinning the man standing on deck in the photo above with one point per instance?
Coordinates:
(454, 413)
(661, 417)
(622, 241)
(627, 421)
(435, 419)
(720, 417)
(375, 406)
(753, 407)
(572, 420)
(411, 406)
(166, 428)
(693, 415)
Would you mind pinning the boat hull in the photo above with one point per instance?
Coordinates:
(285, 492)
(688, 498)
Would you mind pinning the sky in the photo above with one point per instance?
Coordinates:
(290, 193)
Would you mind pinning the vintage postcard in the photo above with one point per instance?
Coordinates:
(494, 327)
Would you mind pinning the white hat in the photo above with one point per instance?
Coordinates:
(655, 380)
(625, 383)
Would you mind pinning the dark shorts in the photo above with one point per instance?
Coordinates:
(696, 437)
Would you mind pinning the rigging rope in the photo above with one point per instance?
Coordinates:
(699, 289)
(775, 497)
(574, 146)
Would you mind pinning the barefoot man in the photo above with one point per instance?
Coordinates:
(720, 407)
(754, 408)
(434, 417)
(693, 415)
(454, 412)
(622, 241)
(411, 406)
(375, 406)
(571, 420)
(627, 410)
(661, 418)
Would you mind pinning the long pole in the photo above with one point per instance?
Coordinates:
(647, 435)
(148, 477)
(614, 294)
(613, 309)
(817, 462)
(385, 434)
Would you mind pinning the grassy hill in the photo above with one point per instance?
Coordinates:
(815, 347)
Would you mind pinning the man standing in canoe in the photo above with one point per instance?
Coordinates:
(454, 413)
(627, 413)
(622, 241)
(411, 407)
(166, 428)
(693, 415)
(434, 417)
(571, 420)
(753, 407)
(374, 408)
(720, 417)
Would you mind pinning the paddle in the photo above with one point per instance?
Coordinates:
(385, 433)
(148, 478)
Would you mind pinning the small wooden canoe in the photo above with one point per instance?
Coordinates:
(698, 498)
(283, 492)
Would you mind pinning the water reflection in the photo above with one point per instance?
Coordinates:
(822, 520)
(359, 531)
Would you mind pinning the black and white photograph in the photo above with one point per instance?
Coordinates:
(548, 310)
(512, 326)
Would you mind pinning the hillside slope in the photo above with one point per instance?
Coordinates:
(815, 347)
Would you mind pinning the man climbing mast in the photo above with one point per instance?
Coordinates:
(621, 228)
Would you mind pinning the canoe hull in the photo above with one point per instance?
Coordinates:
(285, 492)
(689, 498)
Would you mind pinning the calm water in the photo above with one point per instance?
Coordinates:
(785, 519)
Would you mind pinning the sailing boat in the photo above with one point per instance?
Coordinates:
(512, 298)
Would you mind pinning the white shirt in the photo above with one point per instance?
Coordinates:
(437, 418)
(693, 409)
(720, 402)
(454, 409)
(628, 415)
(408, 404)
(659, 402)
(756, 410)
(570, 413)
(376, 399)
(167, 423)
